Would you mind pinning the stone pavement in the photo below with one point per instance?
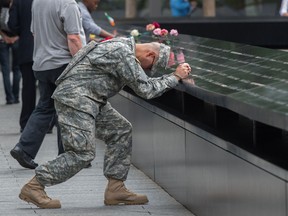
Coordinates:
(81, 195)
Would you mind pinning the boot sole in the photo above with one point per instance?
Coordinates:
(116, 202)
(28, 200)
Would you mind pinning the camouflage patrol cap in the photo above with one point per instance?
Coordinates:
(163, 59)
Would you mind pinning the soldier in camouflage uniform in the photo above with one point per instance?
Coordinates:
(97, 72)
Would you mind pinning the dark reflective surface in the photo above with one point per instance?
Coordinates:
(234, 107)
(245, 78)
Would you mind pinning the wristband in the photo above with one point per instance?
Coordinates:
(177, 76)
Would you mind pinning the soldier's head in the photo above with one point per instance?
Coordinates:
(91, 4)
(152, 55)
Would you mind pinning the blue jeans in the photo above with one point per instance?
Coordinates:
(11, 90)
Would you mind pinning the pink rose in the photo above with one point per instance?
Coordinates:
(164, 32)
(174, 32)
(157, 31)
(150, 27)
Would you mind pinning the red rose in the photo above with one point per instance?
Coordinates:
(156, 24)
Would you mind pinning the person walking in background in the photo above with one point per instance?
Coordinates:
(284, 8)
(58, 35)
(20, 23)
(96, 73)
(90, 27)
(9, 42)
(181, 8)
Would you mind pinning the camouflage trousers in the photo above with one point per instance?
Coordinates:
(79, 132)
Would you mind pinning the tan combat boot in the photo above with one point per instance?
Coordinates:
(116, 193)
(33, 192)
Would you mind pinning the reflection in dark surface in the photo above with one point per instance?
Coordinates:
(236, 91)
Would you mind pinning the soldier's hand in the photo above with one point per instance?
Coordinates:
(182, 71)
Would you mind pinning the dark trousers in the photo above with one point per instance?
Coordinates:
(28, 93)
(41, 118)
(11, 89)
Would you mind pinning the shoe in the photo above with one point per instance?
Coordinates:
(50, 131)
(16, 101)
(23, 159)
(116, 193)
(33, 192)
(9, 102)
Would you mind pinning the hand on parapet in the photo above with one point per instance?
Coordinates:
(182, 71)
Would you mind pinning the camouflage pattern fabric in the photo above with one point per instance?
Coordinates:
(162, 61)
(79, 132)
(97, 72)
(102, 70)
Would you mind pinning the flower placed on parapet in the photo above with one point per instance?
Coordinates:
(164, 36)
(135, 34)
(150, 27)
(173, 36)
(158, 34)
(174, 32)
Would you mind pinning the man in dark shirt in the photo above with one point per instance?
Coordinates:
(9, 42)
(20, 23)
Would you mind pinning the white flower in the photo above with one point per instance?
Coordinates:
(134, 33)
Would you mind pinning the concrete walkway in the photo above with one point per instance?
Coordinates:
(81, 195)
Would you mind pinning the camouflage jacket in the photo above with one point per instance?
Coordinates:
(100, 70)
